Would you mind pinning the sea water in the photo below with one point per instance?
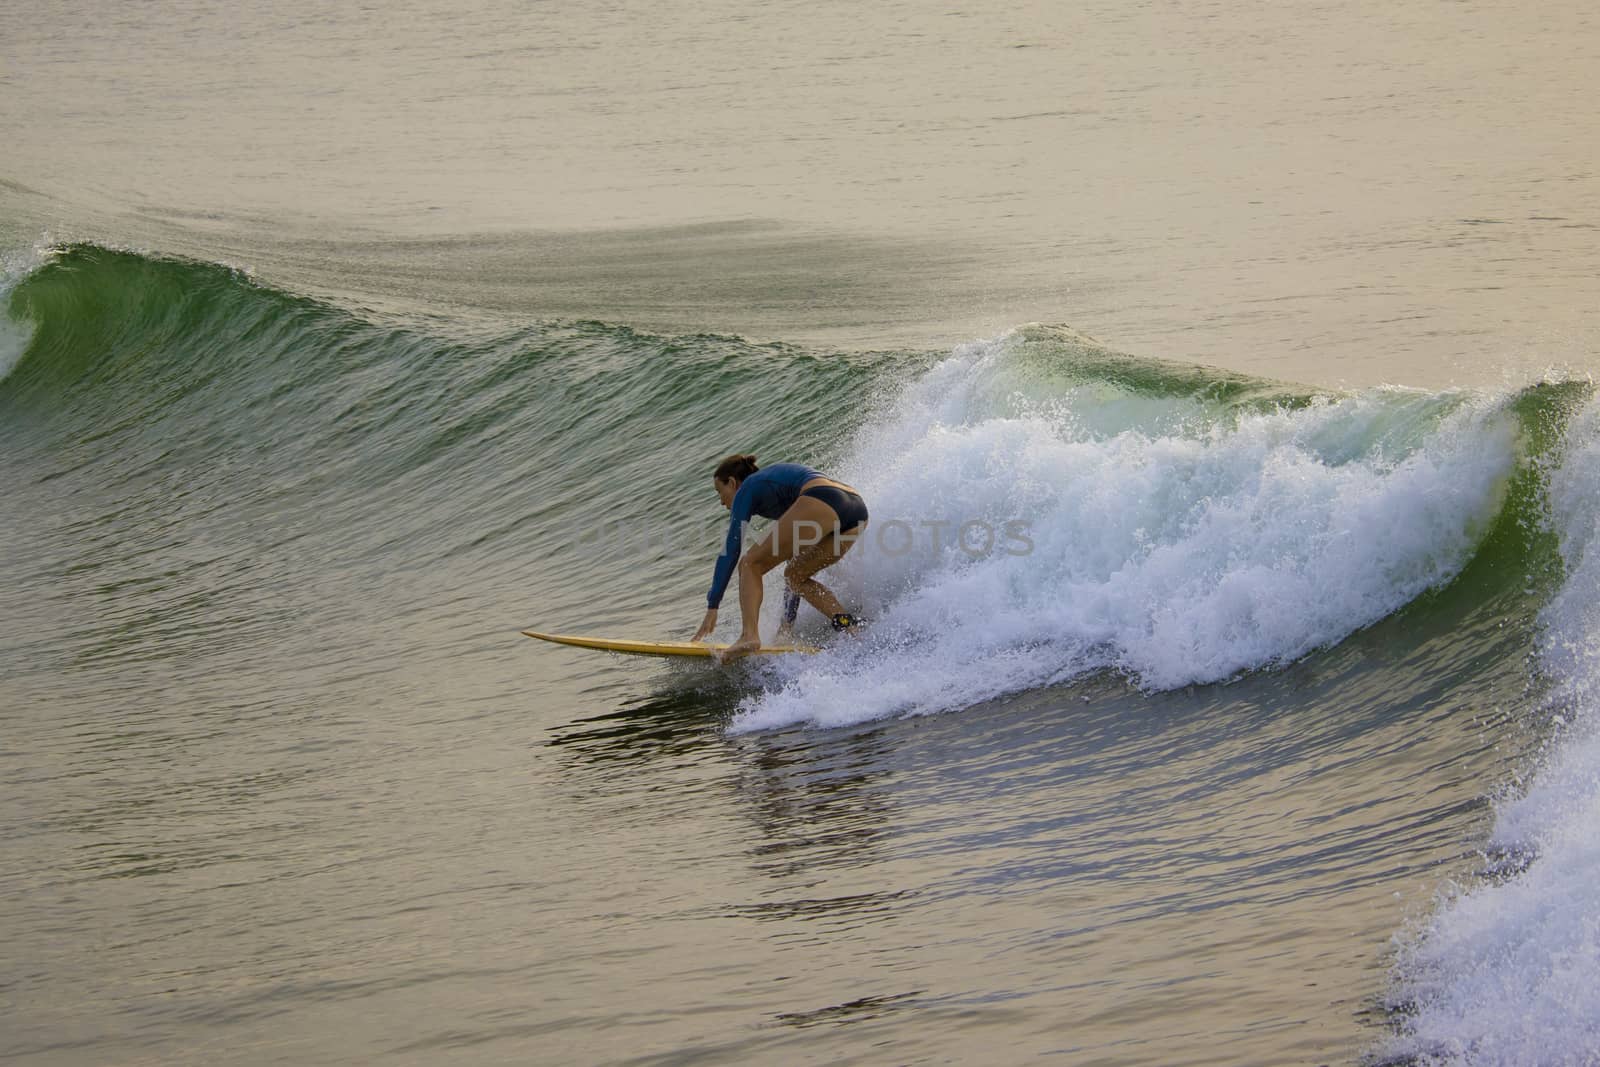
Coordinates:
(1218, 379)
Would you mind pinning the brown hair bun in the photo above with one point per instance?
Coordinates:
(736, 467)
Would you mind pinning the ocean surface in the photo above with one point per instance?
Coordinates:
(1220, 380)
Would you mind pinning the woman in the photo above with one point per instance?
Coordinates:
(818, 519)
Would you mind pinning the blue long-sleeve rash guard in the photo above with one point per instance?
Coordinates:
(769, 492)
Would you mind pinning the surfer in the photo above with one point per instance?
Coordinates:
(817, 521)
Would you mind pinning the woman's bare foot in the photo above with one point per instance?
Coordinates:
(742, 647)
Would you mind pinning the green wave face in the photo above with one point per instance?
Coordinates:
(228, 504)
(574, 458)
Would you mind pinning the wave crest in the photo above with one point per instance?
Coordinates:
(1179, 532)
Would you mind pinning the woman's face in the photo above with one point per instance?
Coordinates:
(725, 489)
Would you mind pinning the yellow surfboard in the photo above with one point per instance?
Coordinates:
(660, 648)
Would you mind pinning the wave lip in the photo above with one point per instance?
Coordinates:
(1181, 532)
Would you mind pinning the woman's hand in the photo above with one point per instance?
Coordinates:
(707, 625)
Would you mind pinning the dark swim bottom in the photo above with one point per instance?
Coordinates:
(850, 508)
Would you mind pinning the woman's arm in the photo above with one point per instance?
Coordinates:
(738, 515)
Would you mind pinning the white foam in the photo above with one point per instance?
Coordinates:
(15, 333)
(1509, 973)
(1173, 540)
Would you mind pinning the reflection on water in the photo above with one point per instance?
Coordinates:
(663, 724)
(818, 800)
(1133, 865)
(858, 1010)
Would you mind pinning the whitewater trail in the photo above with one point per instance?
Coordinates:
(1017, 541)
(1509, 973)
(16, 333)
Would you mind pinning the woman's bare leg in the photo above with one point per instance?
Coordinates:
(800, 572)
(807, 524)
